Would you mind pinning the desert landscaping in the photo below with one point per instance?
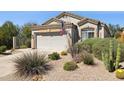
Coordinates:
(67, 47)
(57, 73)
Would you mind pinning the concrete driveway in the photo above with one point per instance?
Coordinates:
(7, 66)
(6, 63)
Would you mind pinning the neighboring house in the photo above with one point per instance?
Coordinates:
(47, 36)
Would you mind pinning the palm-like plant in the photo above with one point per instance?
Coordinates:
(31, 63)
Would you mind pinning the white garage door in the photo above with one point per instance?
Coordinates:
(52, 43)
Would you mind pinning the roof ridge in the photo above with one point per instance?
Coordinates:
(69, 14)
(81, 18)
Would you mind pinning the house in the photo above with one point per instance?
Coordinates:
(74, 28)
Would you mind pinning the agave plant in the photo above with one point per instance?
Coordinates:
(31, 63)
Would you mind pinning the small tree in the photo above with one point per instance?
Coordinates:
(7, 31)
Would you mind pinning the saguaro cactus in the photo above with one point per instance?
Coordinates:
(103, 55)
(118, 56)
(110, 51)
(111, 61)
(108, 58)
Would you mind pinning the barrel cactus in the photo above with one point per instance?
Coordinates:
(120, 73)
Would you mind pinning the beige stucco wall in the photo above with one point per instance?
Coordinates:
(70, 19)
(52, 23)
(47, 30)
(67, 19)
(51, 30)
(101, 32)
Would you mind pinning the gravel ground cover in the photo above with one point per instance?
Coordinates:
(82, 73)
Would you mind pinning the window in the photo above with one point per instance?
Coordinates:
(87, 34)
(90, 34)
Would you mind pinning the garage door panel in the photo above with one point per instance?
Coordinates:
(52, 43)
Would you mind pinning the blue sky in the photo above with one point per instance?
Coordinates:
(21, 17)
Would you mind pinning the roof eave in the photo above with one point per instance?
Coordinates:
(42, 27)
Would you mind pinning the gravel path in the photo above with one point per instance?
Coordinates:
(84, 72)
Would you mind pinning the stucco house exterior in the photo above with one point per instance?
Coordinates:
(47, 36)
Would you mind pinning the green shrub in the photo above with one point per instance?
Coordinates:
(28, 43)
(3, 48)
(88, 44)
(23, 46)
(88, 59)
(79, 57)
(63, 53)
(54, 56)
(99, 46)
(70, 66)
(31, 63)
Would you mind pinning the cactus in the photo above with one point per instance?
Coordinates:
(111, 61)
(110, 51)
(107, 57)
(118, 56)
(106, 60)
(103, 56)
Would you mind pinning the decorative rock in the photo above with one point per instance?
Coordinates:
(37, 78)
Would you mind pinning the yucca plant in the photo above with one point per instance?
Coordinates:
(31, 63)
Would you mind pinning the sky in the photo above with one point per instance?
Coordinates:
(23, 17)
